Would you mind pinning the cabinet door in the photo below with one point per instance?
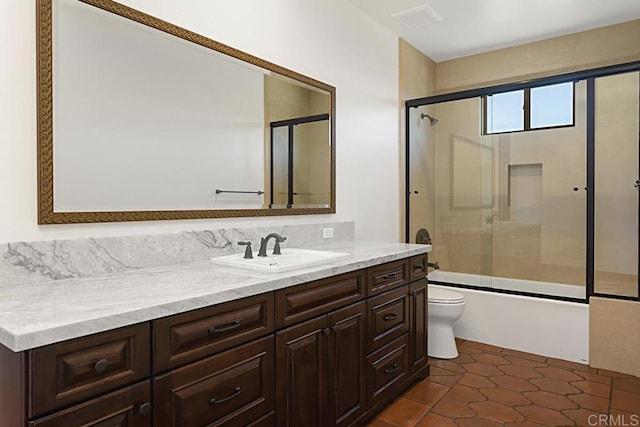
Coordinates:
(229, 389)
(347, 379)
(301, 374)
(418, 329)
(129, 407)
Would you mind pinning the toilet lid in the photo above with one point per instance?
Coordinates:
(442, 296)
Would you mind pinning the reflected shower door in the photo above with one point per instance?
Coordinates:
(617, 116)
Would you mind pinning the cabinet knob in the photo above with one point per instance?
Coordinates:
(145, 408)
(326, 331)
(101, 366)
(392, 368)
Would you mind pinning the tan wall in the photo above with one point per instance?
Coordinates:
(615, 44)
(614, 341)
(417, 80)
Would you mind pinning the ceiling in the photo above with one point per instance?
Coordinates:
(448, 29)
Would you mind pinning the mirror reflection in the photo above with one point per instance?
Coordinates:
(144, 121)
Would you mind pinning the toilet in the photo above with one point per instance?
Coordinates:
(445, 308)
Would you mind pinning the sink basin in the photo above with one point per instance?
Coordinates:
(290, 259)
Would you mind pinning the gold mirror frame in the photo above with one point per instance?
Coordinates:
(46, 213)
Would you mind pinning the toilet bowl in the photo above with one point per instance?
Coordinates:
(445, 308)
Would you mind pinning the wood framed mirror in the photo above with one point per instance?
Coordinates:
(140, 119)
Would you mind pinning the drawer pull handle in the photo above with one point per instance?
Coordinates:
(391, 369)
(390, 316)
(229, 327)
(390, 275)
(101, 366)
(236, 393)
(145, 408)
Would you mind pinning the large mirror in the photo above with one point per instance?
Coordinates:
(140, 119)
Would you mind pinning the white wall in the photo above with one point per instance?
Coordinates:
(329, 40)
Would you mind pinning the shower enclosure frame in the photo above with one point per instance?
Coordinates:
(289, 124)
(587, 75)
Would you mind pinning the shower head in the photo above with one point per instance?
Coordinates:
(432, 120)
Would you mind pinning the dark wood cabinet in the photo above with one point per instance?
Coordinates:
(320, 370)
(190, 336)
(128, 407)
(72, 371)
(326, 353)
(229, 389)
(301, 374)
(418, 326)
(347, 387)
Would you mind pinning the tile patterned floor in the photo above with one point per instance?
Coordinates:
(491, 386)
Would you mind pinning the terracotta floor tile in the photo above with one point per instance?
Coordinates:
(504, 396)
(550, 400)
(489, 359)
(522, 424)
(448, 365)
(585, 417)
(591, 387)
(559, 374)
(436, 370)
(434, 420)
(613, 374)
(447, 380)
(463, 358)
(544, 416)
(523, 355)
(403, 412)
(452, 408)
(555, 386)
(477, 422)
(627, 384)
(426, 392)
(475, 381)
(520, 371)
(465, 394)
(588, 401)
(525, 362)
(625, 401)
(591, 376)
(464, 348)
(496, 412)
(484, 347)
(567, 364)
(482, 369)
(514, 383)
(379, 423)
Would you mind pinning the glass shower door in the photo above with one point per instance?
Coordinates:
(617, 117)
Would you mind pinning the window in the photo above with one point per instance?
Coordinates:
(529, 109)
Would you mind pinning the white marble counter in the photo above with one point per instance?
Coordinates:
(33, 315)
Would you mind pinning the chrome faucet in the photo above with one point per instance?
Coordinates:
(276, 249)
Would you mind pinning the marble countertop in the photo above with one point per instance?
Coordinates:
(34, 315)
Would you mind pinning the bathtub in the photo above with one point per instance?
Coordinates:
(551, 328)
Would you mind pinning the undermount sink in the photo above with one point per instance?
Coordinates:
(290, 259)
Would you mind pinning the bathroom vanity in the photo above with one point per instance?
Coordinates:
(329, 345)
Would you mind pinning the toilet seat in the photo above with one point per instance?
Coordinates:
(441, 296)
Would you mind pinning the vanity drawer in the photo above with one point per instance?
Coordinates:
(69, 372)
(233, 388)
(128, 407)
(418, 267)
(388, 317)
(387, 276)
(303, 302)
(181, 339)
(387, 368)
